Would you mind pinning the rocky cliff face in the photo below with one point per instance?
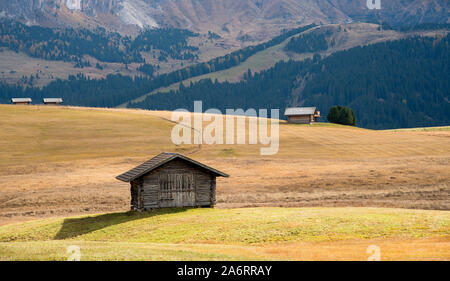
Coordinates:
(33, 8)
(257, 19)
(58, 12)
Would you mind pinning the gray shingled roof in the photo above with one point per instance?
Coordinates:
(158, 161)
(300, 111)
(21, 100)
(53, 100)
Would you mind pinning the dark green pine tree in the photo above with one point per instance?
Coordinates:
(341, 115)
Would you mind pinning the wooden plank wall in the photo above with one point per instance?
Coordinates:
(150, 191)
(177, 184)
(177, 189)
(304, 119)
(136, 188)
(213, 191)
(204, 182)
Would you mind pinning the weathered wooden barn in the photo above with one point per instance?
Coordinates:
(171, 180)
(21, 100)
(302, 115)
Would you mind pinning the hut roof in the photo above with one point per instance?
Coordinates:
(21, 100)
(293, 111)
(158, 161)
(53, 100)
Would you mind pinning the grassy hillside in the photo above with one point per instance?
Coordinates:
(345, 37)
(115, 90)
(396, 91)
(50, 134)
(226, 234)
(60, 161)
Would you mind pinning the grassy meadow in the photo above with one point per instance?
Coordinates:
(329, 193)
(230, 234)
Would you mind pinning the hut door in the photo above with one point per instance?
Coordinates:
(177, 190)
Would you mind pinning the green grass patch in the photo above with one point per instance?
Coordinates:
(236, 226)
(114, 251)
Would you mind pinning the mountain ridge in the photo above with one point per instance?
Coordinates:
(254, 20)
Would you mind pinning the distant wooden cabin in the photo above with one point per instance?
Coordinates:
(21, 100)
(302, 115)
(171, 180)
(53, 101)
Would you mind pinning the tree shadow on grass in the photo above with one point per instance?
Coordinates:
(74, 227)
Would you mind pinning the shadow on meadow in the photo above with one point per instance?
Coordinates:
(74, 227)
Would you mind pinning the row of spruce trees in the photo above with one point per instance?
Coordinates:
(72, 44)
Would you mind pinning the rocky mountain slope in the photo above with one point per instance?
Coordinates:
(247, 20)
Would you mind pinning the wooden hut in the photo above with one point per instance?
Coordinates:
(21, 100)
(302, 115)
(53, 101)
(171, 180)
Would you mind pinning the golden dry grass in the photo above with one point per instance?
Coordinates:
(57, 161)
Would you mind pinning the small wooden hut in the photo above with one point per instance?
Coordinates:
(302, 115)
(53, 101)
(21, 100)
(171, 180)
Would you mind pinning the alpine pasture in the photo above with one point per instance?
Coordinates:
(329, 193)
